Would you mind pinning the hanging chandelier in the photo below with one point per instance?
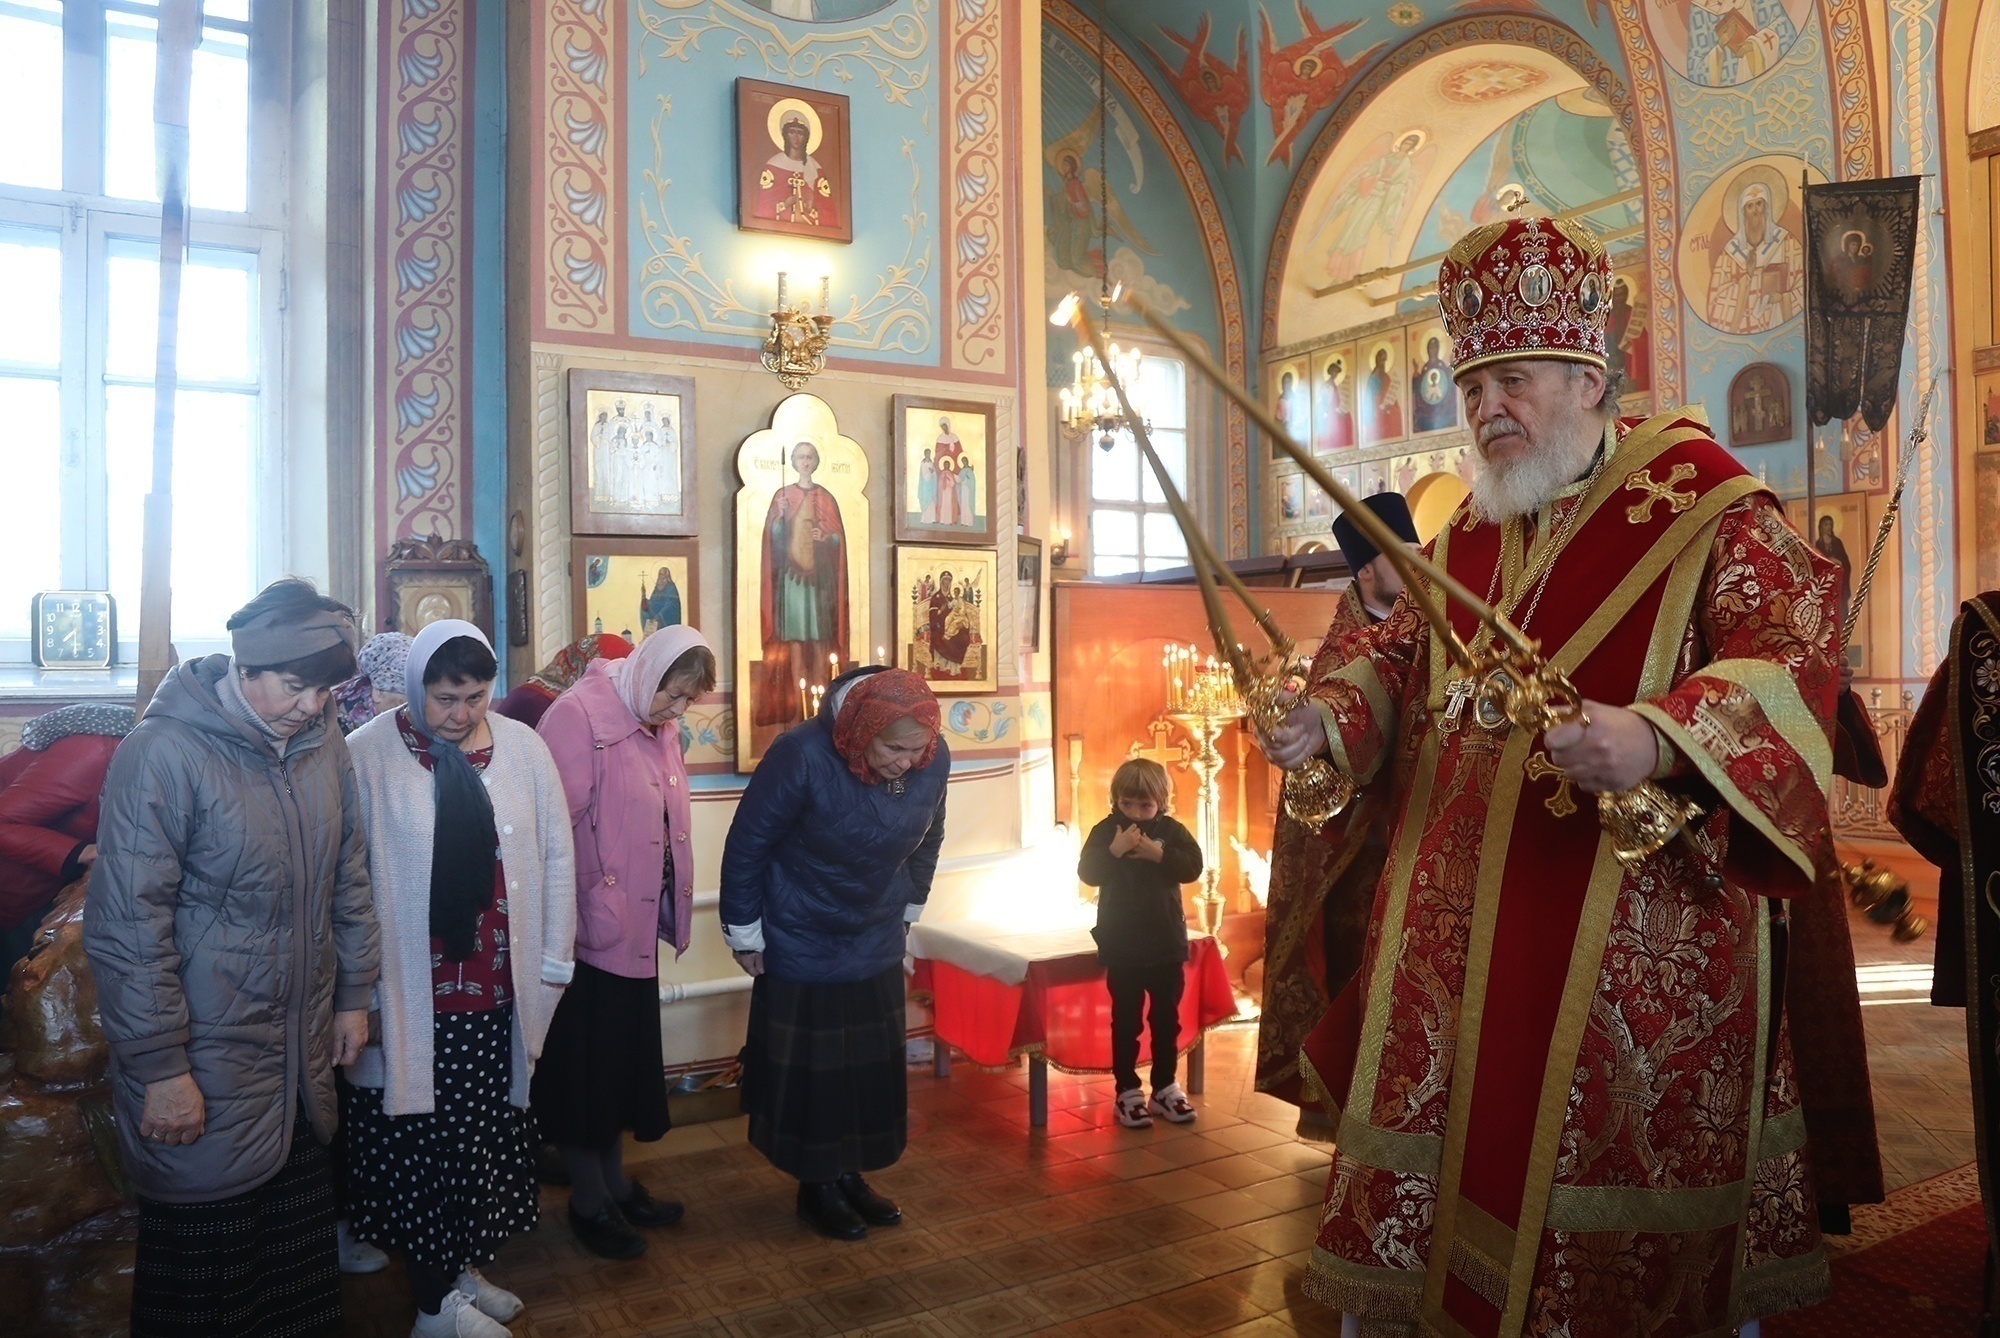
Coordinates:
(1089, 404)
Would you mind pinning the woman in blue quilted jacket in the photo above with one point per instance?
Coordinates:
(829, 859)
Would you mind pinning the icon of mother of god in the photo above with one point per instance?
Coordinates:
(802, 590)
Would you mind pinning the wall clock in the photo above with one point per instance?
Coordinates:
(75, 629)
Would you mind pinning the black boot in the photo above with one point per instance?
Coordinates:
(874, 1209)
(605, 1233)
(826, 1210)
(643, 1210)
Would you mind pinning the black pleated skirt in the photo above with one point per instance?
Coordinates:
(257, 1265)
(824, 1082)
(447, 1187)
(602, 1073)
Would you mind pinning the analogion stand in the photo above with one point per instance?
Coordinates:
(996, 994)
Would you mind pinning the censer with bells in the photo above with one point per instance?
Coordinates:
(1511, 677)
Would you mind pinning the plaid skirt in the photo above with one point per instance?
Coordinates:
(824, 1082)
(447, 1187)
(257, 1265)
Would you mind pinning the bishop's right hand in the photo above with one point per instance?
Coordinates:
(1301, 737)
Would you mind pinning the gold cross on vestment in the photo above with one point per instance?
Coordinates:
(1641, 481)
(1458, 693)
(1560, 803)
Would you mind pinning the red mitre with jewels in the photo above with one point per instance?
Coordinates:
(1526, 288)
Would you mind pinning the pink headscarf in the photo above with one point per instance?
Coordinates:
(638, 675)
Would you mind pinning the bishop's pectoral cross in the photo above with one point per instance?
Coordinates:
(1538, 766)
(1458, 695)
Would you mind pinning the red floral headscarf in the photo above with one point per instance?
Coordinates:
(874, 703)
(561, 673)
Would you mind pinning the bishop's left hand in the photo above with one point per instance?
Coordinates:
(1612, 753)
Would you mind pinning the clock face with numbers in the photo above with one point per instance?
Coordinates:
(74, 629)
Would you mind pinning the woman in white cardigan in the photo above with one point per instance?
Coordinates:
(469, 852)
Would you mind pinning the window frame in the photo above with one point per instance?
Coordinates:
(87, 222)
(1198, 418)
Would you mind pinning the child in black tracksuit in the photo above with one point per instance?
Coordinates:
(1137, 858)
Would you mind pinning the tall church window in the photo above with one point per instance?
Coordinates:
(79, 265)
(1131, 529)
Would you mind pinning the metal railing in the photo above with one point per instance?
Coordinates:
(1858, 811)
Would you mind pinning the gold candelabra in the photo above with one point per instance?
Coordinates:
(1202, 699)
(795, 350)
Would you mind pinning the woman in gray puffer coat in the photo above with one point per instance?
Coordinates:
(231, 932)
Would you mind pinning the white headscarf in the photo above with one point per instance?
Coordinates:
(638, 675)
(422, 647)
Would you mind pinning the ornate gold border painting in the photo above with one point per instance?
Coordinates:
(634, 587)
(631, 456)
(944, 471)
(802, 551)
(947, 609)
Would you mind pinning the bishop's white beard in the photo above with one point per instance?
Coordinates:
(1523, 487)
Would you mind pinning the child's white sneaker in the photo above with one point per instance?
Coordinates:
(458, 1317)
(497, 1302)
(1131, 1107)
(1171, 1103)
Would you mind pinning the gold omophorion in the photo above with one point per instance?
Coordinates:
(1508, 667)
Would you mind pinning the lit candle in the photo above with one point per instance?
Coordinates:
(881, 655)
(825, 286)
(781, 290)
(802, 699)
(832, 667)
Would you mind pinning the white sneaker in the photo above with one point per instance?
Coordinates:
(497, 1302)
(458, 1317)
(1131, 1108)
(1171, 1103)
(356, 1254)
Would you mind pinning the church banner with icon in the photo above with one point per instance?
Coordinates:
(1860, 249)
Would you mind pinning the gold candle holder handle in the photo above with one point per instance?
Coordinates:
(1535, 695)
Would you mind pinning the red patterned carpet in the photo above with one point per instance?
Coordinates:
(1912, 1267)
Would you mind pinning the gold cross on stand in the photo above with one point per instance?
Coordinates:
(1560, 803)
(1641, 481)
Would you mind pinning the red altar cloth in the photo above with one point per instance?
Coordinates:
(1060, 1010)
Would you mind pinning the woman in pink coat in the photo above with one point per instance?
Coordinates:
(616, 740)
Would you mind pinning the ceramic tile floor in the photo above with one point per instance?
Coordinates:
(1088, 1229)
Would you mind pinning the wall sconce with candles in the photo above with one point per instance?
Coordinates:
(795, 350)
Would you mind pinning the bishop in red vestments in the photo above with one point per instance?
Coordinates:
(1565, 1093)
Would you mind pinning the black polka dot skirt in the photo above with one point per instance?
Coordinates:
(449, 1187)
